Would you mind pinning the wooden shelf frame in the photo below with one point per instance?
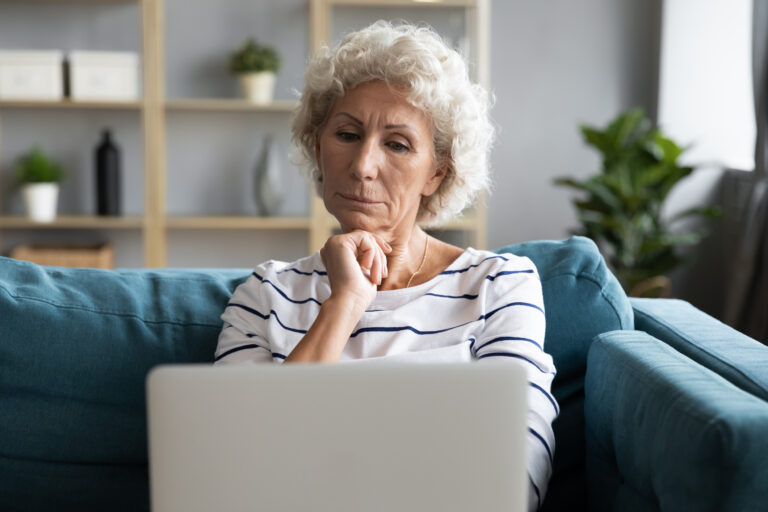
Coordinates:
(153, 107)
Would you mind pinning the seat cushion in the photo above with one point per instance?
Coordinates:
(75, 348)
(581, 299)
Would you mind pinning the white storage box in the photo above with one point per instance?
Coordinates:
(111, 76)
(31, 75)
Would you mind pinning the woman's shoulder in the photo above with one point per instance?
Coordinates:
(311, 265)
(500, 260)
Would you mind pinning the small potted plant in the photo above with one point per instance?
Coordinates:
(39, 179)
(256, 65)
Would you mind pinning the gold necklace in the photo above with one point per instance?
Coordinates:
(423, 259)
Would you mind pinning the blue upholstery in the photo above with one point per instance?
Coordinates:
(737, 357)
(664, 433)
(76, 345)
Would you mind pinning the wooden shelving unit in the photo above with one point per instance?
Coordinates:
(155, 223)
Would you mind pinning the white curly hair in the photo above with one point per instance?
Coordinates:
(436, 80)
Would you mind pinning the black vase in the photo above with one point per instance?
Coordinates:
(107, 176)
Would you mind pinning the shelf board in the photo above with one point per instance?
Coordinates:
(72, 222)
(225, 104)
(69, 1)
(404, 3)
(238, 222)
(67, 103)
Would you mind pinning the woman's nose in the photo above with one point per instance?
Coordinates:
(367, 161)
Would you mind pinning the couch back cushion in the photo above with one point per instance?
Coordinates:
(75, 348)
(582, 299)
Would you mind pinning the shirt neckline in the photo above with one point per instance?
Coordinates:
(455, 264)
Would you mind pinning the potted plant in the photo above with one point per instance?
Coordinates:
(621, 206)
(39, 179)
(256, 65)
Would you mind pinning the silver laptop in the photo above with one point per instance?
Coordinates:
(340, 438)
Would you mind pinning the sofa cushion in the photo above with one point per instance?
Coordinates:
(665, 433)
(581, 299)
(711, 343)
(75, 348)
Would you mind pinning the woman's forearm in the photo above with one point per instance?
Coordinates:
(326, 339)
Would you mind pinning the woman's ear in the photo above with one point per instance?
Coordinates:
(434, 181)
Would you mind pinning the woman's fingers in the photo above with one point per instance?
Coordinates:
(371, 256)
(366, 251)
(382, 243)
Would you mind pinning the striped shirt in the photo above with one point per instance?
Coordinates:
(484, 306)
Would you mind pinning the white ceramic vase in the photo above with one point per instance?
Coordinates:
(258, 88)
(40, 200)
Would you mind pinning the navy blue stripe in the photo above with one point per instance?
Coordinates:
(508, 272)
(549, 397)
(472, 346)
(275, 354)
(538, 436)
(318, 272)
(237, 349)
(516, 356)
(310, 299)
(538, 494)
(512, 338)
(528, 304)
(465, 296)
(473, 266)
(438, 331)
(265, 317)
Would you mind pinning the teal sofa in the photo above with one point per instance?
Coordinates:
(662, 407)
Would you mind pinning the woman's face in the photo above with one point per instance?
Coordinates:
(376, 157)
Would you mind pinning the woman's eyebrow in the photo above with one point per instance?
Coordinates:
(387, 127)
(397, 127)
(353, 118)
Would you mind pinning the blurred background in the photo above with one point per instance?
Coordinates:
(195, 169)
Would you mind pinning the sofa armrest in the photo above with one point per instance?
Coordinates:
(665, 433)
(724, 350)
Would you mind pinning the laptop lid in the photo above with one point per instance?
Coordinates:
(342, 438)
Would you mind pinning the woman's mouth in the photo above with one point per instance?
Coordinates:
(358, 199)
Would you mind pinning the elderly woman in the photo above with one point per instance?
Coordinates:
(395, 136)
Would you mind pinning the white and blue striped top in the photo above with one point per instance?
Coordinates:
(484, 306)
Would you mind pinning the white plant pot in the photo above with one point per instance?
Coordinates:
(258, 88)
(40, 200)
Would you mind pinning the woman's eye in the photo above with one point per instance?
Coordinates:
(347, 136)
(398, 146)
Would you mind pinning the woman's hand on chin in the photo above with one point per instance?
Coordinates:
(356, 263)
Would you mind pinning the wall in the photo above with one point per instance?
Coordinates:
(556, 65)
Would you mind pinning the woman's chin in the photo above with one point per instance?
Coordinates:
(352, 220)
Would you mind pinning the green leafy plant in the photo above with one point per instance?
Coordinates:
(253, 57)
(36, 167)
(621, 206)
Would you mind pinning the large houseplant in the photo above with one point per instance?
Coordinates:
(621, 206)
(256, 65)
(39, 179)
